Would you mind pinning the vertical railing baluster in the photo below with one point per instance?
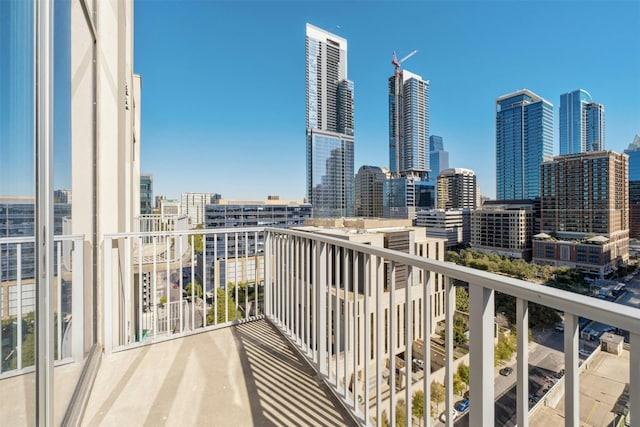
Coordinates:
(155, 286)
(481, 362)
(356, 329)
(450, 307)
(522, 327)
(378, 283)
(330, 322)
(140, 286)
(216, 277)
(77, 300)
(346, 324)
(393, 314)
(426, 337)
(634, 375)
(127, 290)
(193, 280)
(408, 341)
(367, 332)
(571, 373)
(168, 283)
(245, 274)
(107, 272)
(19, 305)
(226, 278)
(321, 289)
(204, 279)
(235, 276)
(337, 314)
(58, 256)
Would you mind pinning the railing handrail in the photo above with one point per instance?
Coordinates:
(32, 239)
(182, 232)
(606, 312)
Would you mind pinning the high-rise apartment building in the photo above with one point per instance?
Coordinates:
(633, 151)
(369, 188)
(408, 125)
(524, 139)
(192, 205)
(438, 157)
(504, 229)
(457, 189)
(146, 194)
(330, 128)
(404, 196)
(585, 212)
(581, 123)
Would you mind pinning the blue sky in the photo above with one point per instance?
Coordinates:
(223, 82)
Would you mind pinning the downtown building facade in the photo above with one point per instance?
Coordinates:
(457, 189)
(453, 225)
(330, 125)
(584, 212)
(369, 189)
(581, 123)
(238, 254)
(192, 205)
(633, 151)
(409, 189)
(504, 228)
(524, 139)
(146, 194)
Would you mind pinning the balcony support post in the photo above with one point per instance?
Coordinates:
(634, 376)
(522, 402)
(572, 373)
(481, 363)
(77, 300)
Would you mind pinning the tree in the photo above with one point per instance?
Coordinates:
(417, 405)
(197, 240)
(437, 394)
(401, 414)
(462, 300)
(231, 311)
(460, 328)
(458, 385)
(197, 289)
(463, 372)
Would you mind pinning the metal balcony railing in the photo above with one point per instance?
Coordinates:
(18, 302)
(360, 314)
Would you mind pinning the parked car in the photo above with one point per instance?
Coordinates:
(454, 415)
(462, 405)
(506, 371)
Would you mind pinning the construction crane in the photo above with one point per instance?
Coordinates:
(397, 63)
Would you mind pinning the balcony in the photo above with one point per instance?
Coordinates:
(294, 332)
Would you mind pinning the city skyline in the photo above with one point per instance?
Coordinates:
(186, 106)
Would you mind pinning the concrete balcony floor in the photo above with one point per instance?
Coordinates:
(246, 375)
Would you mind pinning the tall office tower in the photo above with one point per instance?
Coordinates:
(146, 194)
(192, 205)
(409, 107)
(524, 139)
(633, 151)
(438, 157)
(330, 134)
(457, 189)
(369, 183)
(585, 212)
(581, 123)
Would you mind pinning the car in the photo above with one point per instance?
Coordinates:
(506, 371)
(454, 415)
(462, 405)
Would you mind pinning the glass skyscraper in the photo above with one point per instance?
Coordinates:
(438, 157)
(330, 133)
(524, 139)
(581, 123)
(633, 151)
(409, 106)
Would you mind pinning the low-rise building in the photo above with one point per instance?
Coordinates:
(503, 229)
(453, 225)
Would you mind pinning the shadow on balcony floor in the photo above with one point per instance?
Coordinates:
(239, 376)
